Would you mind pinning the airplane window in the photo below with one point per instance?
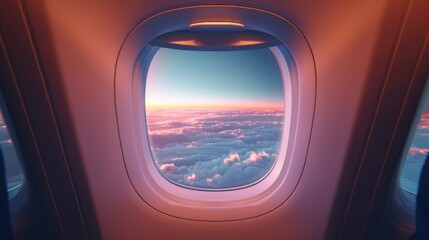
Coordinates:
(417, 149)
(14, 173)
(214, 118)
(417, 152)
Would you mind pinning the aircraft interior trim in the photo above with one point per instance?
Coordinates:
(206, 119)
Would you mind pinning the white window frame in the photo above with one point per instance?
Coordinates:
(298, 71)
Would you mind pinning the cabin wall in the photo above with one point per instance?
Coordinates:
(79, 44)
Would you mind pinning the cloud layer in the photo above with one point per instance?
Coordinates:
(214, 149)
(417, 153)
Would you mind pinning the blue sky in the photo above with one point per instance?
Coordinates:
(245, 78)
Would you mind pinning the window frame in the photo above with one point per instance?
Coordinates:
(243, 203)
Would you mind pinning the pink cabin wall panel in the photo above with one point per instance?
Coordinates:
(79, 44)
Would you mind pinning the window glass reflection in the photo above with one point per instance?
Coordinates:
(419, 149)
(14, 174)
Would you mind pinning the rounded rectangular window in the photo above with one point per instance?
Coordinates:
(17, 190)
(214, 118)
(417, 153)
(14, 174)
(413, 159)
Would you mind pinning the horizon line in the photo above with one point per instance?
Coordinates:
(220, 107)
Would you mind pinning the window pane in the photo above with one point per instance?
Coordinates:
(14, 174)
(417, 152)
(214, 118)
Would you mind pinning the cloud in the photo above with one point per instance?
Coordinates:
(191, 178)
(231, 158)
(204, 148)
(424, 122)
(256, 157)
(167, 167)
(415, 151)
(166, 139)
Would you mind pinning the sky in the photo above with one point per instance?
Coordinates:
(215, 79)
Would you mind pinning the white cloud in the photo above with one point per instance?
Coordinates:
(167, 167)
(191, 178)
(256, 157)
(206, 148)
(232, 158)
